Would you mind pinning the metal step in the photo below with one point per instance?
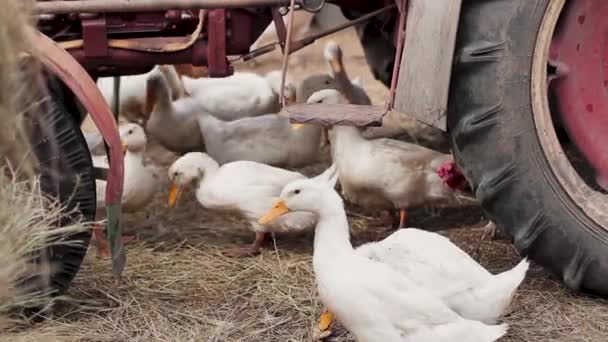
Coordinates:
(336, 114)
(392, 121)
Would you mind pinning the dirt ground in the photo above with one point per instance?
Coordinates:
(178, 286)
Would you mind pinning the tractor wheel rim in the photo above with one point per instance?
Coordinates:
(572, 42)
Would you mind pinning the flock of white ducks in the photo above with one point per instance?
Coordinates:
(234, 145)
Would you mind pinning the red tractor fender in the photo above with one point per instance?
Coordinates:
(60, 63)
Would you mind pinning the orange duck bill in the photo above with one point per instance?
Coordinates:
(175, 192)
(279, 209)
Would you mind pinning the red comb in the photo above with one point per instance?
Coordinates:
(451, 175)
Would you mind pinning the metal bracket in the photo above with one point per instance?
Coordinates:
(94, 35)
(217, 63)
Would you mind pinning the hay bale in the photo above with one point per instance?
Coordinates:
(28, 220)
(15, 82)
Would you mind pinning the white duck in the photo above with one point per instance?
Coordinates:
(243, 94)
(352, 90)
(173, 123)
(133, 91)
(387, 174)
(245, 187)
(433, 262)
(374, 301)
(140, 181)
(339, 80)
(268, 139)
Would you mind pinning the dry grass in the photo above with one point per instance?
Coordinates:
(187, 291)
(27, 227)
(15, 80)
(178, 287)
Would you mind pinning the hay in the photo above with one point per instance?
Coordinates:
(180, 288)
(16, 83)
(28, 225)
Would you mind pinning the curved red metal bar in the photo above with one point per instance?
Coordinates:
(59, 62)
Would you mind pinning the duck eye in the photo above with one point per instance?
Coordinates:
(130, 131)
(297, 191)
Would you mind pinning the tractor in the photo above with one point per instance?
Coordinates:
(519, 88)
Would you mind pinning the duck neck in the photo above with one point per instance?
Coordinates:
(163, 114)
(207, 170)
(133, 156)
(345, 86)
(132, 164)
(205, 120)
(332, 237)
(348, 133)
(345, 137)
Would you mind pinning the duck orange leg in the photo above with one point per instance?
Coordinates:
(402, 217)
(103, 250)
(100, 241)
(325, 320)
(247, 251)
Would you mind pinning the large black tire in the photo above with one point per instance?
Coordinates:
(66, 171)
(492, 125)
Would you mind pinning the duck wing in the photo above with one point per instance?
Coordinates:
(429, 259)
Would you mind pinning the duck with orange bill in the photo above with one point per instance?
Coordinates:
(243, 94)
(387, 174)
(377, 301)
(132, 92)
(243, 187)
(140, 181)
(267, 139)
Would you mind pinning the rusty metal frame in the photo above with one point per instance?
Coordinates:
(217, 64)
(402, 7)
(114, 6)
(59, 62)
(142, 44)
(299, 44)
(279, 24)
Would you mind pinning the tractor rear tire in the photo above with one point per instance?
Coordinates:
(495, 140)
(66, 174)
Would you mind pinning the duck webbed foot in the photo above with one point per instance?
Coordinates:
(324, 325)
(247, 251)
(402, 218)
(100, 241)
(489, 231)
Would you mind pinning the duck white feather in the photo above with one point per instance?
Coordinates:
(268, 139)
(243, 94)
(352, 90)
(432, 261)
(132, 101)
(385, 173)
(140, 180)
(173, 123)
(244, 187)
(373, 301)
